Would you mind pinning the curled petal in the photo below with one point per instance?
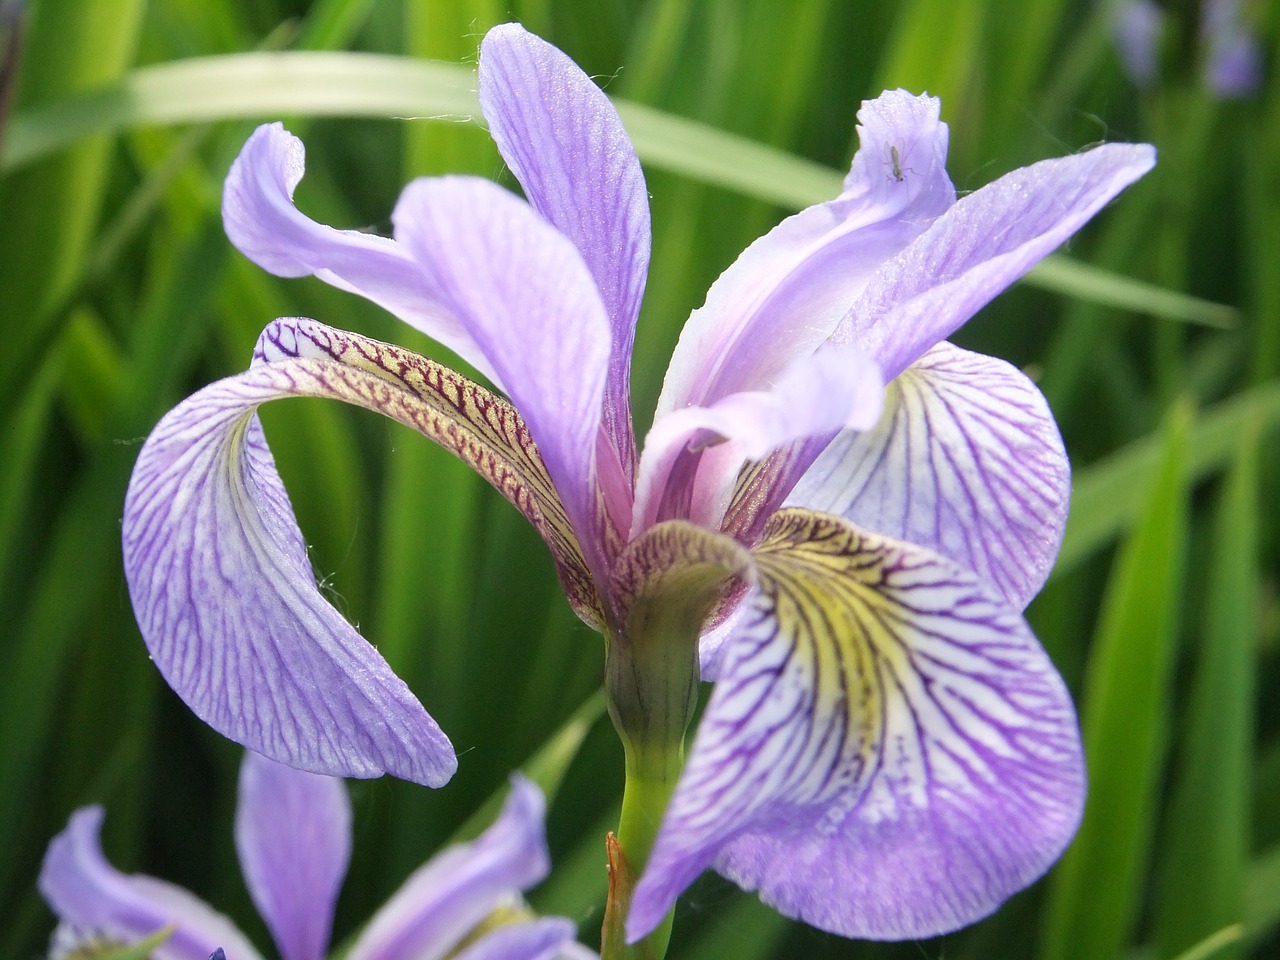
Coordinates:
(564, 142)
(527, 297)
(228, 604)
(445, 899)
(88, 894)
(293, 835)
(788, 291)
(981, 245)
(966, 461)
(888, 752)
(549, 938)
(263, 223)
(482, 430)
(692, 456)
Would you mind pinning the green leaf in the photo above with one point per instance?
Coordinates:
(1125, 710)
(1107, 497)
(1206, 842)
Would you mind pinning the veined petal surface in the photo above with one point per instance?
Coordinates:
(788, 291)
(449, 896)
(293, 837)
(527, 297)
(692, 456)
(263, 223)
(966, 461)
(888, 752)
(481, 429)
(989, 239)
(564, 141)
(91, 896)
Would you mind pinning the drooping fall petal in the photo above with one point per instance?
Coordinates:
(564, 141)
(88, 894)
(293, 836)
(449, 896)
(218, 571)
(966, 461)
(888, 753)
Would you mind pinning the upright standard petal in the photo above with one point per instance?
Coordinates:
(985, 242)
(528, 299)
(293, 836)
(966, 461)
(692, 456)
(787, 292)
(91, 896)
(449, 896)
(261, 220)
(564, 142)
(888, 752)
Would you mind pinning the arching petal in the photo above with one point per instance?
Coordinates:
(218, 572)
(888, 752)
(293, 836)
(482, 430)
(525, 294)
(985, 242)
(261, 220)
(692, 456)
(788, 291)
(445, 899)
(564, 142)
(966, 461)
(90, 895)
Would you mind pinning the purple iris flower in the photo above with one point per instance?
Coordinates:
(293, 837)
(1231, 57)
(888, 752)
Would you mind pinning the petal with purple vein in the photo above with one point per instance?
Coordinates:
(966, 461)
(564, 142)
(888, 753)
(980, 246)
(91, 896)
(293, 836)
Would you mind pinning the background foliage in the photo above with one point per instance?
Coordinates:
(119, 294)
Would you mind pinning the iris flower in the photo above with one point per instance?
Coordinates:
(837, 515)
(293, 836)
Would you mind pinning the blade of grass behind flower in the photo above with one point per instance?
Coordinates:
(1107, 497)
(1125, 711)
(1205, 842)
(50, 211)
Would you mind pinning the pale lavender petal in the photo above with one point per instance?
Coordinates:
(261, 220)
(966, 461)
(543, 939)
(91, 896)
(1136, 28)
(527, 297)
(981, 245)
(788, 291)
(228, 604)
(692, 456)
(293, 836)
(564, 142)
(446, 898)
(888, 753)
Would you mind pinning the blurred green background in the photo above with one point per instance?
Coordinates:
(119, 294)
